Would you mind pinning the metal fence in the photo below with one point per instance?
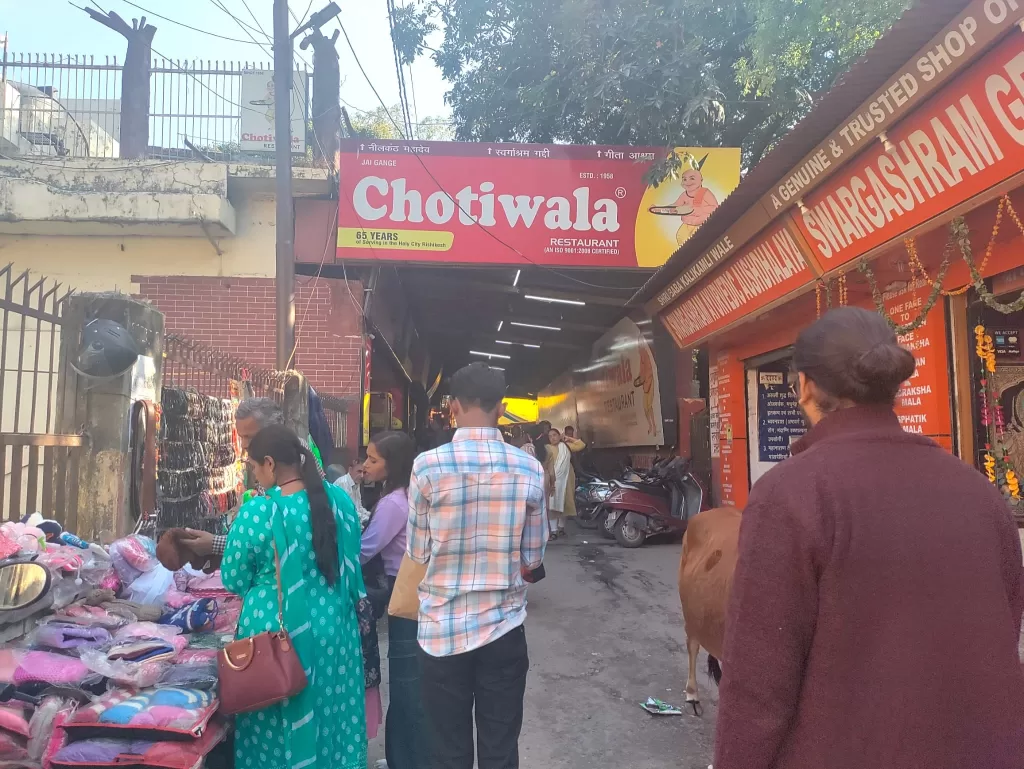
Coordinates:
(189, 365)
(70, 105)
(39, 461)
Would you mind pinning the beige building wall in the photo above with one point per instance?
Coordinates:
(107, 262)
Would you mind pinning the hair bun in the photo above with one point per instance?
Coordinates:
(883, 368)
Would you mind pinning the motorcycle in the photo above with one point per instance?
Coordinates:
(662, 503)
(591, 492)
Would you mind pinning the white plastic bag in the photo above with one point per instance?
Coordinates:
(151, 587)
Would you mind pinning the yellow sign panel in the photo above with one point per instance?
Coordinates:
(402, 240)
(518, 411)
(671, 212)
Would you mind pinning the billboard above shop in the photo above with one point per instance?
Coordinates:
(256, 94)
(616, 398)
(557, 205)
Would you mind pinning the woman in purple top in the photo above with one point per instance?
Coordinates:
(389, 460)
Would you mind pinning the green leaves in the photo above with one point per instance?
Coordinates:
(645, 72)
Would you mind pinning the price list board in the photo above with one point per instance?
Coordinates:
(779, 419)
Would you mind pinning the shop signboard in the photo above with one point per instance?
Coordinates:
(949, 52)
(256, 94)
(564, 205)
(768, 269)
(945, 56)
(923, 402)
(968, 137)
(779, 419)
(732, 464)
(618, 397)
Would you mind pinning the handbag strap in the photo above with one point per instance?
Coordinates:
(280, 590)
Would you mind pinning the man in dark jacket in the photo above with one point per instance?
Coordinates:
(875, 611)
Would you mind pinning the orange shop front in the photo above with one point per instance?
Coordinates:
(920, 225)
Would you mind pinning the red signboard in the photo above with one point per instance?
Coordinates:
(922, 403)
(768, 269)
(965, 139)
(519, 204)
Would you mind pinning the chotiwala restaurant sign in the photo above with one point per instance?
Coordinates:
(565, 205)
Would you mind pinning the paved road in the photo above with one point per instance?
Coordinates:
(605, 632)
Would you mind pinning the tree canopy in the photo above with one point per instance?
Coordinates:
(642, 72)
(378, 124)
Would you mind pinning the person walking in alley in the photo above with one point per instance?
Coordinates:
(559, 468)
(477, 515)
(875, 611)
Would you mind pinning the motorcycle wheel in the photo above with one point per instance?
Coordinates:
(586, 518)
(606, 523)
(628, 535)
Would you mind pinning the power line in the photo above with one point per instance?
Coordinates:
(244, 27)
(419, 158)
(246, 4)
(188, 26)
(367, 78)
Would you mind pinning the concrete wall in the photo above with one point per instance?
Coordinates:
(103, 263)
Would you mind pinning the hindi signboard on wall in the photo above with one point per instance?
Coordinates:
(779, 419)
(568, 205)
(256, 94)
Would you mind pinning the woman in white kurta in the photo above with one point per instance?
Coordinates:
(561, 465)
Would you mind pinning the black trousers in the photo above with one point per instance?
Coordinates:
(491, 678)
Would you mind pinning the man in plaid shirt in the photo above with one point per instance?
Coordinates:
(477, 514)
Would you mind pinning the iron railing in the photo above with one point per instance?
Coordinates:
(40, 464)
(70, 105)
(189, 365)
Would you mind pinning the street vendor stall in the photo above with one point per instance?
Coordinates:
(109, 658)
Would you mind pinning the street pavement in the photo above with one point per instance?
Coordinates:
(605, 632)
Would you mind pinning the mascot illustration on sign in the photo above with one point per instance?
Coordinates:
(646, 381)
(697, 202)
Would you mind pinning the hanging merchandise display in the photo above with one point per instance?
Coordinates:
(198, 472)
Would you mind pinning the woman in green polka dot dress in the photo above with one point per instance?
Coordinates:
(316, 531)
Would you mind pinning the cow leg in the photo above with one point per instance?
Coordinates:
(692, 650)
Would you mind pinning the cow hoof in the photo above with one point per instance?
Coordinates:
(698, 709)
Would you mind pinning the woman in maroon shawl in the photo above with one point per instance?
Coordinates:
(875, 613)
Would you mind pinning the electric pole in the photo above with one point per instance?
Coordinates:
(285, 228)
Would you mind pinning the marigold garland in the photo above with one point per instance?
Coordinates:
(996, 460)
(976, 272)
(957, 230)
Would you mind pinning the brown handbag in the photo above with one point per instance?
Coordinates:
(260, 671)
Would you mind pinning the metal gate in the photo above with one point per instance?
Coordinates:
(40, 464)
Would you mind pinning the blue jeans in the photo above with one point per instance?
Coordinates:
(406, 744)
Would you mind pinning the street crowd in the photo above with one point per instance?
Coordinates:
(873, 621)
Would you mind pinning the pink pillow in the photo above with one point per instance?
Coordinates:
(12, 719)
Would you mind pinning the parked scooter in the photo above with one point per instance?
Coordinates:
(663, 503)
(592, 490)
